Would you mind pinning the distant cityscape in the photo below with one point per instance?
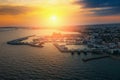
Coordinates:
(70, 27)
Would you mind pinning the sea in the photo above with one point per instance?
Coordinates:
(21, 62)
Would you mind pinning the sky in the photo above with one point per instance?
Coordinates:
(58, 12)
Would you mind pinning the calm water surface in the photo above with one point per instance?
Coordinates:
(47, 63)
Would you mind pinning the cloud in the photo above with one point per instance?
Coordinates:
(13, 10)
(107, 7)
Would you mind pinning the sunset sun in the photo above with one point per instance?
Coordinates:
(54, 18)
(54, 21)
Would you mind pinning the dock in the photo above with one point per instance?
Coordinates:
(95, 58)
(19, 42)
(61, 48)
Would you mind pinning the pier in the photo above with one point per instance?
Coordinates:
(61, 48)
(19, 42)
(95, 58)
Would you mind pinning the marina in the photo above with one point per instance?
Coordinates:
(73, 44)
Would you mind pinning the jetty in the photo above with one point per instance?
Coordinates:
(95, 58)
(19, 42)
(61, 48)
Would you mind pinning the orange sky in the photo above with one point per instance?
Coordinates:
(39, 13)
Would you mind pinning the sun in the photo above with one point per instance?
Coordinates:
(54, 18)
(54, 21)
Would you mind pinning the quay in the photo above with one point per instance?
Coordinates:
(19, 42)
(95, 58)
(64, 49)
(61, 48)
